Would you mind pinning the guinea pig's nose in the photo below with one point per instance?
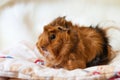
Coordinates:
(43, 48)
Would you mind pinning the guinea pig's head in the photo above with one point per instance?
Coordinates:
(53, 38)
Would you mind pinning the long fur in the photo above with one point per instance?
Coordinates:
(69, 46)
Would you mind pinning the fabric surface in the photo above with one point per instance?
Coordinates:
(23, 61)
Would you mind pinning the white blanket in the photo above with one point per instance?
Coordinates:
(19, 62)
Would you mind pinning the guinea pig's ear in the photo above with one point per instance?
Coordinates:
(61, 28)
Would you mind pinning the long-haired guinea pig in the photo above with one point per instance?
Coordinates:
(69, 46)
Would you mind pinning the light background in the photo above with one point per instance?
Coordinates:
(24, 19)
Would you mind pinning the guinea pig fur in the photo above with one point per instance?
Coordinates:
(69, 46)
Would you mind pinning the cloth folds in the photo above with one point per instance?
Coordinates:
(23, 61)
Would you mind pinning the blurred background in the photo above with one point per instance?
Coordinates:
(24, 19)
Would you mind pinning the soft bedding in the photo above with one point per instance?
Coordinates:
(23, 61)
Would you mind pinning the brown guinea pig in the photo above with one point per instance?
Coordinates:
(69, 46)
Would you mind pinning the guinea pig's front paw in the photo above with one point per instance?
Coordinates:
(53, 66)
(49, 65)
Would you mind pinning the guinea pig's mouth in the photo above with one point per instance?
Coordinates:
(45, 52)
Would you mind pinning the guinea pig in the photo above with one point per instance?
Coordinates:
(70, 46)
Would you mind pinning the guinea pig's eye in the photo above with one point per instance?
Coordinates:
(52, 36)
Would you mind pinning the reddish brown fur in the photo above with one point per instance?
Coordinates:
(73, 46)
